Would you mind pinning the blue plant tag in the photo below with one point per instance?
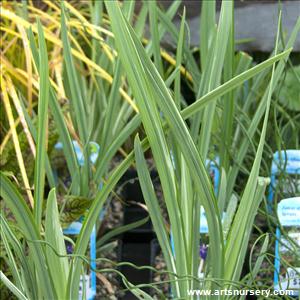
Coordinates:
(288, 212)
(203, 221)
(94, 149)
(87, 281)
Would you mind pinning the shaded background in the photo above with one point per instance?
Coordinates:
(254, 19)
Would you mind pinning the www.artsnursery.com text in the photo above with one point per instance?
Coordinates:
(226, 292)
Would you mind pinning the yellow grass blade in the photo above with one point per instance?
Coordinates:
(8, 135)
(53, 39)
(15, 72)
(86, 23)
(16, 101)
(28, 66)
(16, 140)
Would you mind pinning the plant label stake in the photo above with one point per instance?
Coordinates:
(215, 177)
(287, 247)
(89, 282)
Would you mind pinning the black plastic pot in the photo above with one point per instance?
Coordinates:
(133, 210)
(136, 243)
(142, 234)
(131, 188)
(138, 254)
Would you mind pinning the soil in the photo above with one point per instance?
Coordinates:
(264, 278)
(108, 283)
(159, 278)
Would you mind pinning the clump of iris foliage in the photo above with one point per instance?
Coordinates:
(85, 71)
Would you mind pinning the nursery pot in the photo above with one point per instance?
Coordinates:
(134, 209)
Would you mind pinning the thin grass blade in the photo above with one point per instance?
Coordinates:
(39, 170)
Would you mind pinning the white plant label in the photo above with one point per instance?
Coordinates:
(83, 285)
(293, 277)
(288, 212)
